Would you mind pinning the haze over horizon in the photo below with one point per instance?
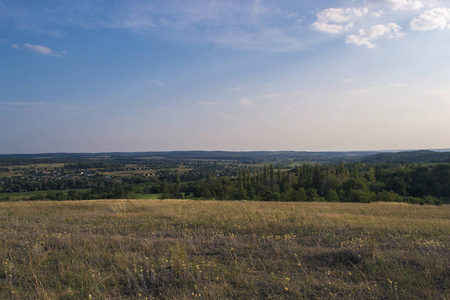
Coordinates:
(134, 76)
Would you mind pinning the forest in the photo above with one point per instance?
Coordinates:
(419, 177)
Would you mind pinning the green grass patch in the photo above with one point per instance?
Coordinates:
(28, 195)
(147, 196)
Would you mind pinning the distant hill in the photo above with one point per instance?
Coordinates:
(420, 156)
(250, 155)
(247, 157)
(241, 156)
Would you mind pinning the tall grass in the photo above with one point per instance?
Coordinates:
(216, 250)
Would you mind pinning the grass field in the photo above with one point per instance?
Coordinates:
(27, 195)
(20, 168)
(180, 249)
(147, 196)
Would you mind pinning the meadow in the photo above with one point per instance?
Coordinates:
(185, 249)
(27, 195)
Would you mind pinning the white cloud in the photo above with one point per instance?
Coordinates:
(40, 49)
(43, 50)
(359, 40)
(245, 101)
(405, 4)
(330, 28)
(391, 30)
(438, 18)
(15, 46)
(341, 15)
(261, 25)
(337, 20)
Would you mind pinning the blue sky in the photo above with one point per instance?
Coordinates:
(103, 76)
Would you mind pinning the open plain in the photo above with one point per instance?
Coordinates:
(223, 250)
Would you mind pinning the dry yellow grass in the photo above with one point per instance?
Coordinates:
(223, 250)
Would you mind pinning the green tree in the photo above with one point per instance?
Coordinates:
(312, 196)
(271, 178)
(332, 196)
(177, 187)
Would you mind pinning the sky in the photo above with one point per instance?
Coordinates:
(299, 75)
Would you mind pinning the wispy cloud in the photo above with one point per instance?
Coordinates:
(155, 82)
(362, 91)
(225, 117)
(39, 49)
(256, 25)
(235, 89)
(251, 25)
(21, 103)
(209, 103)
(367, 90)
(39, 106)
(350, 80)
(43, 50)
(245, 101)
(377, 14)
(441, 93)
(289, 108)
(281, 95)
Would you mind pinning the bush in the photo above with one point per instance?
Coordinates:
(312, 196)
(360, 196)
(332, 196)
(430, 200)
(388, 196)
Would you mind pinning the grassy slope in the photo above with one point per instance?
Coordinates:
(215, 250)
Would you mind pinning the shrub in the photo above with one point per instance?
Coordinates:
(388, 196)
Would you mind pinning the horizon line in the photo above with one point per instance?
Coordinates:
(233, 151)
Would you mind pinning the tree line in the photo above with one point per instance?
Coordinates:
(333, 183)
(421, 184)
